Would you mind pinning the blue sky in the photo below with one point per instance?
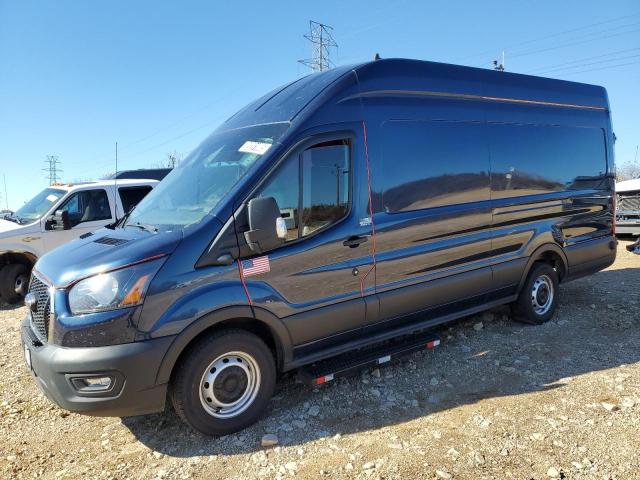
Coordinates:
(75, 76)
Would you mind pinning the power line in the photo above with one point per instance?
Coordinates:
(107, 154)
(51, 169)
(603, 68)
(581, 65)
(563, 64)
(157, 145)
(322, 42)
(552, 35)
(556, 47)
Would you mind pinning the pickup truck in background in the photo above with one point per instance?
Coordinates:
(56, 215)
(628, 207)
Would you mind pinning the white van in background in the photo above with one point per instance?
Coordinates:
(628, 207)
(55, 216)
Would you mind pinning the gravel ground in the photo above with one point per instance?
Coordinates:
(496, 400)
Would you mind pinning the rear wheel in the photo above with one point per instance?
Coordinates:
(225, 382)
(14, 282)
(538, 299)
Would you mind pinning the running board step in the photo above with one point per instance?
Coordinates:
(345, 364)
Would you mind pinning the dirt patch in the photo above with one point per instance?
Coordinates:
(497, 400)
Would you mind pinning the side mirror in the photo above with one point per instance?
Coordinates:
(267, 229)
(58, 221)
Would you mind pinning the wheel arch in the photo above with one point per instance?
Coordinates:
(550, 253)
(257, 321)
(25, 258)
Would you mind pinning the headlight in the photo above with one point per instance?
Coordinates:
(118, 289)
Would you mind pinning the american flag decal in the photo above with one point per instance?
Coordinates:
(254, 266)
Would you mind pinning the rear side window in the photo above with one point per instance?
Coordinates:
(534, 159)
(431, 164)
(130, 196)
(312, 189)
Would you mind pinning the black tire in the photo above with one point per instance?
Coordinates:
(190, 375)
(538, 298)
(14, 282)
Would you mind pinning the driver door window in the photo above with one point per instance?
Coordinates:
(312, 189)
(87, 206)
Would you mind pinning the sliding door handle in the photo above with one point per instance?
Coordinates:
(354, 240)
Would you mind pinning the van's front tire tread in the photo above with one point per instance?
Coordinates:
(185, 384)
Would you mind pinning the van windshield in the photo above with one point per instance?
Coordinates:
(38, 205)
(202, 180)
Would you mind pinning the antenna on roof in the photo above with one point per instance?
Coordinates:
(499, 67)
(115, 188)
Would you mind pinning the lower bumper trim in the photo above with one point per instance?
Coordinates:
(133, 366)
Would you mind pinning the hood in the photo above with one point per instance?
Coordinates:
(6, 225)
(104, 250)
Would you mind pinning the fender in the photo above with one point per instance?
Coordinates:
(278, 330)
(18, 256)
(538, 253)
(19, 249)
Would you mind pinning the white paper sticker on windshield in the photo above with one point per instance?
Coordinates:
(259, 148)
(52, 198)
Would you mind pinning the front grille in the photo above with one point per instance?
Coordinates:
(40, 317)
(629, 204)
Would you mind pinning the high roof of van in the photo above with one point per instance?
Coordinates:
(417, 77)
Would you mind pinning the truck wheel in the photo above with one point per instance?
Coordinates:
(14, 282)
(225, 382)
(538, 299)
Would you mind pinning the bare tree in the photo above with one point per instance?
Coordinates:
(628, 171)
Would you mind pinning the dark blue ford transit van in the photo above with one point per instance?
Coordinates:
(345, 210)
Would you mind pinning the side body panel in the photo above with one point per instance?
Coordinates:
(431, 255)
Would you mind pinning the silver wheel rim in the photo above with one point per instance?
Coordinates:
(229, 385)
(542, 294)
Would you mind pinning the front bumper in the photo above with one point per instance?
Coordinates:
(133, 366)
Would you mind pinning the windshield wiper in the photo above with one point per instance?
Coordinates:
(143, 226)
(120, 221)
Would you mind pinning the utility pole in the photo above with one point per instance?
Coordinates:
(51, 169)
(6, 197)
(322, 42)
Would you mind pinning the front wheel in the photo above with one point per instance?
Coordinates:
(538, 299)
(225, 382)
(14, 281)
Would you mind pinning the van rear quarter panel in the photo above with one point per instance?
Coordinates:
(567, 217)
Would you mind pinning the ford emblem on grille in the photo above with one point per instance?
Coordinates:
(31, 302)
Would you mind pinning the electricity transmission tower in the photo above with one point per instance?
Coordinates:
(322, 43)
(173, 159)
(51, 169)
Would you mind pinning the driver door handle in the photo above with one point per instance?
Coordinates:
(354, 240)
